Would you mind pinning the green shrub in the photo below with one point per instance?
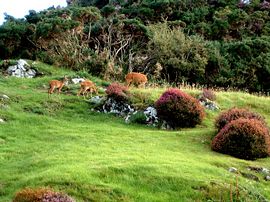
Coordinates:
(179, 109)
(138, 117)
(236, 113)
(243, 138)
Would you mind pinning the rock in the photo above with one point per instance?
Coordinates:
(97, 100)
(22, 70)
(151, 116)
(265, 171)
(77, 80)
(2, 120)
(233, 170)
(4, 97)
(208, 104)
(267, 178)
(262, 170)
(250, 176)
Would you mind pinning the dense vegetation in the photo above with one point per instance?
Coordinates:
(215, 42)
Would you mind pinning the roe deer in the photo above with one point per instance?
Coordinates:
(55, 84)
(136, 78)
(87, 86)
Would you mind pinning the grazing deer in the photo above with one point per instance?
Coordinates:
(136, 78)
(87, 86)
(55, 84)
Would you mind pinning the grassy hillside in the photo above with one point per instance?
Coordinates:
(60, 143)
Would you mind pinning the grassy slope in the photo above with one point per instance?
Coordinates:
(60, 143)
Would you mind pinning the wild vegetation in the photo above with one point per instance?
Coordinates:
(214, 43)
(61, 148)
(58, 143)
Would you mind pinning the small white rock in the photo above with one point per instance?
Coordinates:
(2, 121)
(232, 170)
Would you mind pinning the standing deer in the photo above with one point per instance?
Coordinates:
(55, 84)
(87, 86)
(136, 78)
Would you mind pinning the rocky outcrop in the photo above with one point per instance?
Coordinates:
(22, 69)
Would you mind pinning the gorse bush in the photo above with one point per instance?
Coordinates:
(236, 113)
(117, 92)
(179, 109)
(41, 195)
(243, 138)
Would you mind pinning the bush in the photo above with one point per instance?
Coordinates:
(236, 113)
(41, 195)
(179, 109)
(209, 94)
(243, 138)
(117, 92)
(138, 117)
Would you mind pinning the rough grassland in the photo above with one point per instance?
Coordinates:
(60, 143)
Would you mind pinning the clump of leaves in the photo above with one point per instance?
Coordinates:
(179, 109)
(236, 113)
(117, 92)
(41, 195)
(243, 138)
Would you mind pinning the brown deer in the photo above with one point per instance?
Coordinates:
(136, 79)
(55, 84)
(86, 86)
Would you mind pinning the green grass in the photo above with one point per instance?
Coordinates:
(60, 143)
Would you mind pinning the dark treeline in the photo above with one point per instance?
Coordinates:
(222, 43)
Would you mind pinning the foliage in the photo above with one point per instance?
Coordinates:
(41, 195)
(183, 58)
(117, 92)
(179, 109)
(243, 138)
(235, 113)
(138, 117)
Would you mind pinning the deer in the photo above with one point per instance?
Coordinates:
(136, 79)
(86, 86)
(55, 84)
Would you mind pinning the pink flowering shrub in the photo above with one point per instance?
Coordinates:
(236, 113)
(41, 195)
(179, 109)
(243, 138)
(117, 91)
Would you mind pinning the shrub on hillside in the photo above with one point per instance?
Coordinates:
(236, 113)
(243, 138)
(41, 195)
(179, 109)
(117, 92)
(209, 94)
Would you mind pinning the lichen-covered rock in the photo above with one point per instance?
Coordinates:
(21, 69)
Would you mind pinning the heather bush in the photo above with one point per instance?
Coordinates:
(179, 109)
(117, 92)
(41, 195)
(209, 94)
(243, 138)
(236, 113)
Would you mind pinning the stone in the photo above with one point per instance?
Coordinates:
(208, 104)
(97, 100)
(4, 97)
(233, 170)
(267, 178)
(151, 116)
(2, 120)
(21, 70)
(250, 176)
(77, 80)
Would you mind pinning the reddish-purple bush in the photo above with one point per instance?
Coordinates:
(236, 113)
(209, 94)
(41, 195)
(243, 138)
(179, 109)
(117, 91)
